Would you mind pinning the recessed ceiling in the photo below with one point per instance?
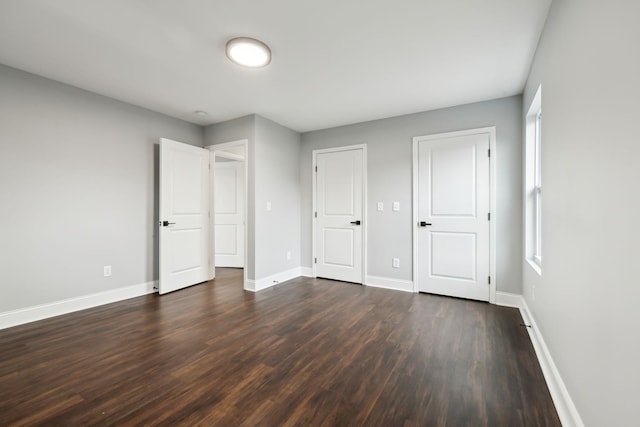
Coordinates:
(334, 62)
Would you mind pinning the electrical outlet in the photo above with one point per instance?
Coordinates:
(107, 270)
(268, 206)
(395, 262)
(288, 255)
(380, 206)
(396, 206)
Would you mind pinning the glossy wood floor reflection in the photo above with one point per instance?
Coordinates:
(307, 352)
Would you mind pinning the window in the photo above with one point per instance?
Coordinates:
(533, 183)
(537, 190)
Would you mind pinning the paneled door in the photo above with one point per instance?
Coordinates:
(229, 213)
(339, 214)
(453, 216)
(184, 215)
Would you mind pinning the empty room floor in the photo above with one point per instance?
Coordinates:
(306, 352)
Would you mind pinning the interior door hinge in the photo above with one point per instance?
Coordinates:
(315, 214)
(489, 279)
(316, 168)
(315, 260)
(489, 152)
(489, 216)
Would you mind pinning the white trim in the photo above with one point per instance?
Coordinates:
(491, 131)
(314, 177)
(306, 271)
(274, 279)
(388, 283)
(506, 299)
(44, 311)
(567, 411)
(214, 152)
(535, 266)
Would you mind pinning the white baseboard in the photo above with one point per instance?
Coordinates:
(387, 283)
(565, 407)
(57, 308)
(274, 279)
(306, 271)
(507, 299)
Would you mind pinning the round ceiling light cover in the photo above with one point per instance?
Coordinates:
(248, 52)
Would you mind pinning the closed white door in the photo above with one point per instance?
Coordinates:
(339, 215)
(453, 214)
(229, 213)
(184, 215)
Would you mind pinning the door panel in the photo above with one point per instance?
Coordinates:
(339, 204)
(453, 198)
(453, 255)
(229, 213)
(453, 181)
(184, 206)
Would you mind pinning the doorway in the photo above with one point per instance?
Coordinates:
(229, 205)
(454, 205)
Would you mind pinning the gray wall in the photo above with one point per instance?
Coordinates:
(78, 179)
(586, 301)
(235, 130)
(277, 181)
(389, 163)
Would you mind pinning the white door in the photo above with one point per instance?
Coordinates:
(229, 213)
(184, 215)
(453, 209)
(339, 210)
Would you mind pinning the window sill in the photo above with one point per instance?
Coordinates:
(536, 267)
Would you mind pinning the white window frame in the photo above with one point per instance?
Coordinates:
(533, 183)
(537, 188)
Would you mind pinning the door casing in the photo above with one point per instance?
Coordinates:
(314, 155)
(491, 131)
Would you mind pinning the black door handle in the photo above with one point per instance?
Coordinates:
(167, 223)
(424, 223)
(356, 222)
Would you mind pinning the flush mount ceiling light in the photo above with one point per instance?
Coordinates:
(248, 52)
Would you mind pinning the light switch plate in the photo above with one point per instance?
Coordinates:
(380, 206)
(396, 206)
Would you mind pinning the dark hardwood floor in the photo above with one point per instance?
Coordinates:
(307, 352)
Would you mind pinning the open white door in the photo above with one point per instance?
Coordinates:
(184, 215)
(229, 212)
(453, 253)
(339, 215)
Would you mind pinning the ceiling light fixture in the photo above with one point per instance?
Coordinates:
(248, 52)
(201, 113)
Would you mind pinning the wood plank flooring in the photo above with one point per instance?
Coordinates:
(307, 352)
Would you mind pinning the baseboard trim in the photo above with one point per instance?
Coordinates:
(567, 411)
(269, 281)
(306, 271)
(387, 283)
(507, 299)
(44, 311)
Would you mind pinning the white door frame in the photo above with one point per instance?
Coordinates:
(314, 163)
(491, 131)
(215, 151)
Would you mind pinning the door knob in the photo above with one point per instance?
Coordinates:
(167, 223)
(356, 222)
(424, 223)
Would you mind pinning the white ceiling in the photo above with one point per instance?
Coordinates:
(334, 62)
